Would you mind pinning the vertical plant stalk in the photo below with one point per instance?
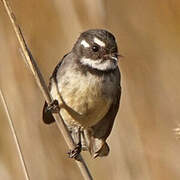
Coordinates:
(21, 157)
(42, 85)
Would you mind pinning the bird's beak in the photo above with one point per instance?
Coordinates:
(116, 56)
(120, 55)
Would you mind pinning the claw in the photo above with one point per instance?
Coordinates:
(75, 152)
(53, 107)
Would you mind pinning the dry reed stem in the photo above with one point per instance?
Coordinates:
(42, 85)
(10, 121)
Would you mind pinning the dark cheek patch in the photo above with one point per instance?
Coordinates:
(89, 53)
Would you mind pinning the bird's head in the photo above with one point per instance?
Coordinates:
(97, 49)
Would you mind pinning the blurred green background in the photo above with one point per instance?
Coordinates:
(143, 145)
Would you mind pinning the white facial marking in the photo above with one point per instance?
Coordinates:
(99, 42)
(99, 64)
(114, 58)
(85, 44)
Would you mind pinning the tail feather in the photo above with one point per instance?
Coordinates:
(98, 148)
(47, 115)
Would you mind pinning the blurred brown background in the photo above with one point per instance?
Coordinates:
(143, 145)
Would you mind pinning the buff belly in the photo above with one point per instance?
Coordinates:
(84, 100)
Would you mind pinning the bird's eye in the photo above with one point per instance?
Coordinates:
(95, 48)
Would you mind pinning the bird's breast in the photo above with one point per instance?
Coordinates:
(85, 99)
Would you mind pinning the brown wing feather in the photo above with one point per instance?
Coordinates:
(103, 128)
(47, 115)
(100, 131)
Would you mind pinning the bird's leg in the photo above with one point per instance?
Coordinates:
(53, 107)
(76, 135)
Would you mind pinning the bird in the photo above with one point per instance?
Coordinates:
(86, 86)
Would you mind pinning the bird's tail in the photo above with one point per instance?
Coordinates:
(96, 146)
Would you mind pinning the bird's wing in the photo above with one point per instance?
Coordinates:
(103, 128)
(47, 115)
(100, 131)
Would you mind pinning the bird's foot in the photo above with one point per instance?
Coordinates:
(75, 152)
(53, 107)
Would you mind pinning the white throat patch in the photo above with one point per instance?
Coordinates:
(99, 64)
(99, 42)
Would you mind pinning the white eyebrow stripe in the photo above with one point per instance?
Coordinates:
(85, 44)
(99, 42)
